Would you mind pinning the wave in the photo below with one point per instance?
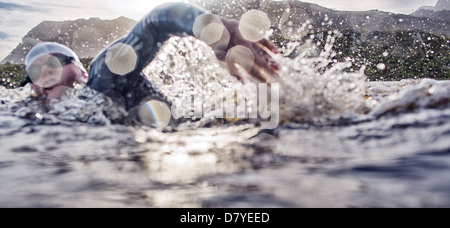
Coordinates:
(314, 89)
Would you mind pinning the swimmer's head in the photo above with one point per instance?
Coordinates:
(53, 68)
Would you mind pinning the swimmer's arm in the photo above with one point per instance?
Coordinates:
(173, 19)
(146, 38)
(163, 22)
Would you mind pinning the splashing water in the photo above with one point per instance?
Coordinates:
(80, 104)
(319, 90)
(311, 91)
(314, 88)
(343, 141)
(187, 68)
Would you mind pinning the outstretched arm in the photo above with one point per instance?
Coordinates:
(118, 68)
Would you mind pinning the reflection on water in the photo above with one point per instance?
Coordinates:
(182, 157)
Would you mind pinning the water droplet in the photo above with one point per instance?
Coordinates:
(39, 116)
(381, 66)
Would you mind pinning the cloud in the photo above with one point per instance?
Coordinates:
(3, 36)
(13, 6)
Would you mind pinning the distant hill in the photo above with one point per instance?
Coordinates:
(86, 37)
(409, 46)
(294, 14)
(441, 15)
(442, 5)
(440, 11)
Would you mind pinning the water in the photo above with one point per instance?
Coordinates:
(342, 142)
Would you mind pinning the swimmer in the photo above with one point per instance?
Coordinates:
(52, 68)
(117, 71)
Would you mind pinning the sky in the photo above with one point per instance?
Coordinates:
(18, 17)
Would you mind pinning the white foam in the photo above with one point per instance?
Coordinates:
(427, 94)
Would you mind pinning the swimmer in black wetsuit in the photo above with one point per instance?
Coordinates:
(117, 71)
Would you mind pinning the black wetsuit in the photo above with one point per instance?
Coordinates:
(146, 38)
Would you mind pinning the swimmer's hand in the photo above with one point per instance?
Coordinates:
(262, 67)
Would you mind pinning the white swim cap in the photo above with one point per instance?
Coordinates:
(47, 48)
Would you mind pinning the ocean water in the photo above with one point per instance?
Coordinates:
(342, 142)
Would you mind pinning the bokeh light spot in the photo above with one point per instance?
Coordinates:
(46, 71)
(121, 59)
(254, 25)
(242, 56)
(210, 29)
(211, 33)
(155, 114)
